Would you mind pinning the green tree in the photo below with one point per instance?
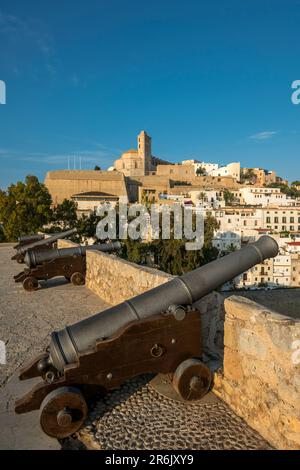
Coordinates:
(24, 208)
(86, 227)
(97, 168)
(202, 196)
(170, 255)
(228, 197)
(201, 171)
(64, 216)
(289, 191)
(247, 175)
(2, 236)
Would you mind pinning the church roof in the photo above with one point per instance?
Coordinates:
(131, 151)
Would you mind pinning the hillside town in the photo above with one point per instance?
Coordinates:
(246, 203)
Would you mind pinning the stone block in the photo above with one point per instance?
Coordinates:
(232, 365)
(250, 343)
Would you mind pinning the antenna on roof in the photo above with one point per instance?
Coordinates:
(68, 162)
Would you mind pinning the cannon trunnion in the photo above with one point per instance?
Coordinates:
(165, 343)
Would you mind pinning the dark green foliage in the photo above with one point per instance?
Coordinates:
(289, 191)
(64, 216)
(228, 197)
(201, 171)
(24, 208)
(170, 255)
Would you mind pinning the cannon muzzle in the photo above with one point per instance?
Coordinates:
(31, 238)
(46, 241)
(184, 290)
(35, 257)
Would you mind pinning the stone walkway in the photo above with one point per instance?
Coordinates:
(135, 416)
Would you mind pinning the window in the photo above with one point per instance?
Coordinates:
(268, 220)
(275, 220)
(292, 220)
(284, 220)
(291, 228)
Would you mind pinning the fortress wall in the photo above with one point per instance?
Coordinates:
(260, 379)
(65, 183)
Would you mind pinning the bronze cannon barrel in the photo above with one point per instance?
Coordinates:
(33, 257)
(184, 290)
(31, 238)
(27, 239)
(46, 241)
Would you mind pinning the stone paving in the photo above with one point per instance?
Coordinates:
(135, 416)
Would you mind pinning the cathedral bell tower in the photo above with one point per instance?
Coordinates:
(144, 151)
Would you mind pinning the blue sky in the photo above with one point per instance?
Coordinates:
(207, 80)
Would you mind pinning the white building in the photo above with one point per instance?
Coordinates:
(282, 269)
(226, 241)
(241, 219)
(232, 169)
(208, 167)
(256, 196)
(209, 199)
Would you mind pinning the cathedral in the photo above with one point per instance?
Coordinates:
(140, 161)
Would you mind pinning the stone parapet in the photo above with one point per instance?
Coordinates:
(260, 379)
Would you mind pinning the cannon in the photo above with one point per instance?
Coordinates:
(26, 244)
(158, 331)
(26, 240)
(67, 262)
